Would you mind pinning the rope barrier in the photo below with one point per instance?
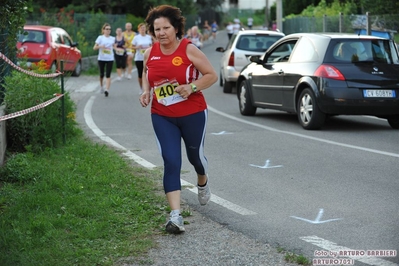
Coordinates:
(37, 107)
(29, 110)
(2, 56)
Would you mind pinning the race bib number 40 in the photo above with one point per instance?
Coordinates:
(166, 94)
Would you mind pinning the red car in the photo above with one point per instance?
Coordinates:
(50, 44)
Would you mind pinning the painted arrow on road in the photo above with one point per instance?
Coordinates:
(221, 133)
(318, 218)
(267, 165)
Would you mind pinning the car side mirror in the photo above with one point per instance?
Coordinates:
(255, 59)
(74, 44)
(220, 49)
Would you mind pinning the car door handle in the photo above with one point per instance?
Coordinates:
(280, 72)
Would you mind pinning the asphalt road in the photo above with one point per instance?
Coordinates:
(306, 191)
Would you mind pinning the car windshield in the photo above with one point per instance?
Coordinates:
(372, 50)
(32, 36)
(258, 42)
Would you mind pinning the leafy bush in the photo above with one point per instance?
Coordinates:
(42, 128)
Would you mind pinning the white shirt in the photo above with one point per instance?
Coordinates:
(229, 28)
(107, 53)
(236, 27)
(250, 21)
(143, 41)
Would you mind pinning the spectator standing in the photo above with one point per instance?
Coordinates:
(274, 26)
(236, 26)
(176, 72)
(230, 29)
(140, 43)
(214, 27)
(128, 34)
(120, 53)
(206, 30)
(250, 21)
(105, 44)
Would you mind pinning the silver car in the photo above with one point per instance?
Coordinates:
(319, 75)
(241, 46)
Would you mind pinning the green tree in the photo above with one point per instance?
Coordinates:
(296, 7)
(138, 8)
(12, 19)
(380, 7)
(332, 9)
(205, 4)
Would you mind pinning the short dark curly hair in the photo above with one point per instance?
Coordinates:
(170, 12)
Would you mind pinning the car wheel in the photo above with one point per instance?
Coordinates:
(220, 80)
(227, 87)
(309, 114)
(244, 100)
(78, 69)
(394, 121)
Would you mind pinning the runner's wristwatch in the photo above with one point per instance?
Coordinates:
(193, 87)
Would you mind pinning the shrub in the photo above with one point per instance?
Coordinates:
(42, 128)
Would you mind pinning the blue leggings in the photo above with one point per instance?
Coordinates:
(169, 131)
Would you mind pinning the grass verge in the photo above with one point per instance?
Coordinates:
(85, 205)
(291, 257)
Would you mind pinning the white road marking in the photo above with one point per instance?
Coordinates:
(139, 160)
(266, 166)
(317, 220)
(304, 136)
(221, 133)
(131, 155)
(331, 246)
(90, 123)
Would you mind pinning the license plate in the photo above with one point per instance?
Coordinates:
(379, 94)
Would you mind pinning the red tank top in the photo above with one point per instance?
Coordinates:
(173, 69)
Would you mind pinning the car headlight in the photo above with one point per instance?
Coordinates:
(48, 50)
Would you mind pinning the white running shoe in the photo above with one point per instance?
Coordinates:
(204, 193)
(118, 78)
(175, 225)
(129, 76)
(102, 90)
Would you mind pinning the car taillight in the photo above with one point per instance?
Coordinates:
(48, 50)
(231, 59)
(327, 71)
